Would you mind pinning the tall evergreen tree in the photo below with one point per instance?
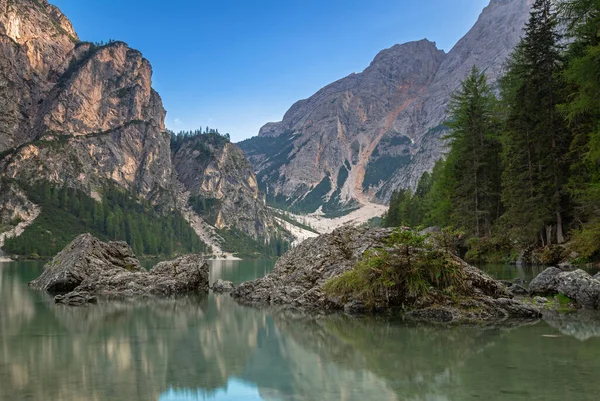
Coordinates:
(536, 142)
(582, 108)
(473, 165)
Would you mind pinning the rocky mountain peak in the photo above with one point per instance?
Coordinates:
(359, 138)
(105, 87)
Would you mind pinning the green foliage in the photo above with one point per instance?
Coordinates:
(408, 270)
(586, 240)
(496, 249)
(526, 168)
(535, 139)
(202, 140)
(66, 213)
(473, 164)
(564, 301)
(550, 255)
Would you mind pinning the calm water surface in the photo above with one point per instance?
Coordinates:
(210, 348)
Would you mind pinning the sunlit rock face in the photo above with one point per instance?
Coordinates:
(86, 116)
(36, 41)
(380, 128)
(77, 113)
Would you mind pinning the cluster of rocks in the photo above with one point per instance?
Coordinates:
(577, 285)
(88, 267)
(298, 278)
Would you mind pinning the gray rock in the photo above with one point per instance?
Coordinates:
(565, 266)
(597, 276)
(581, 287)
(540, 300)
(298, 277)
(517, 289)
(76, 298)
(183, 275)
(546, 282)
(577, 285)
(90, 266)
(355, 307)
(222, 286)
(84, 257)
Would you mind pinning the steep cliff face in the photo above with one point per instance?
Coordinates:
(36, 40)
(359, 138)
(101, 122)
(325, 143)
(222, 185)
(85, 116)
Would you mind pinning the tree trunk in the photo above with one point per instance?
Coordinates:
(549, 235)
(560, 236)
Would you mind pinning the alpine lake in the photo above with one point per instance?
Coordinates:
(210, 348)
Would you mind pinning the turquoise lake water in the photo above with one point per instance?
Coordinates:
(210, 348)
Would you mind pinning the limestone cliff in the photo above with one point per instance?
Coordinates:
(359, 138)
(102, 121)
(36, 41)
(86, 116)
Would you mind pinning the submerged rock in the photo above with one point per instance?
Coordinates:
(299, 276)
(222, 286)
(577, 285)
(90, 266)
(514, 288)
(76, 298)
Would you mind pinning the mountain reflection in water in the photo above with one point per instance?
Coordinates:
(210, 348)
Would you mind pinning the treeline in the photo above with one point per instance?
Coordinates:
(523, 168)
(177, 139)
(67, 212)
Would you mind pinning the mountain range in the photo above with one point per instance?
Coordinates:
(361, 137)
(84, 116)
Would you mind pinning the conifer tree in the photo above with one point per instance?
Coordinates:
(473, 166)
(536, 142)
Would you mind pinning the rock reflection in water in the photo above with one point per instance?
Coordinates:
(209, 347)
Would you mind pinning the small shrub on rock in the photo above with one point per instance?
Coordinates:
(410, 268)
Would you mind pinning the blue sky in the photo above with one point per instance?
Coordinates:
(235, 65)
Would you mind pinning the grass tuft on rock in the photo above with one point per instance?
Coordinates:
(409, 269)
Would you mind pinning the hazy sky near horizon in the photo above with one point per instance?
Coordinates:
(236, 65)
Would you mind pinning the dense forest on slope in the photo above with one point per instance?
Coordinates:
(523, 169)
(66, 213)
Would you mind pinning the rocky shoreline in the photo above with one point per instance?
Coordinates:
(298, 280)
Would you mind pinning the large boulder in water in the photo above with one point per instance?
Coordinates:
(183, 275)
(90, 266)
(577, 285)
(546, 282)
(300, 275)
(85, 256)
